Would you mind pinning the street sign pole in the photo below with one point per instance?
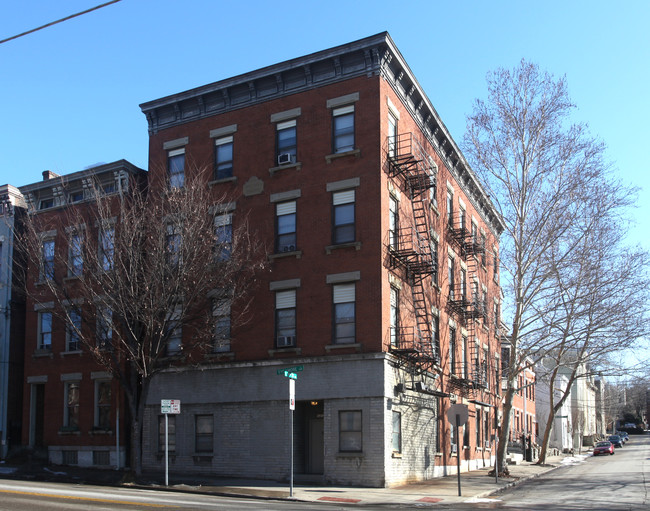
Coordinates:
(166, 449)
(458, 450)
(292, 407)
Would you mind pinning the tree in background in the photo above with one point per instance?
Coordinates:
(145, 280)
(546, 177)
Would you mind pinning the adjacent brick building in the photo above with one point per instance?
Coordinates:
(383, 282)
(71, 405)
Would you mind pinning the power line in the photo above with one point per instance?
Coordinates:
(59, 21)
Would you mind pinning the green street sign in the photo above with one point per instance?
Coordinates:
(293, 369)
(293, 376)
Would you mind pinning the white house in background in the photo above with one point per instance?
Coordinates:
(561, 434)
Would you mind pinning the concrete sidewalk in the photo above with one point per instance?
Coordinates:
(476, 484)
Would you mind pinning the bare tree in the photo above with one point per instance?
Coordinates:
(546, 178)
(145, 280)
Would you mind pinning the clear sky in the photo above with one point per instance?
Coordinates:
(70, 93)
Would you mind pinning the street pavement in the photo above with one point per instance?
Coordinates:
(475, 485)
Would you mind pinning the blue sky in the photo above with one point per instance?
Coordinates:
(70, 93)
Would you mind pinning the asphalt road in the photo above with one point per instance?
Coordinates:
(608, 483)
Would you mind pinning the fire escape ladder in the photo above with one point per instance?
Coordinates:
(413, 252)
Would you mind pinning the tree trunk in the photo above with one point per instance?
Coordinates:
(502, 451)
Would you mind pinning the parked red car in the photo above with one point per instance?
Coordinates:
(603, 448)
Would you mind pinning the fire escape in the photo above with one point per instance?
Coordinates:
(466, 303)
(410, 249)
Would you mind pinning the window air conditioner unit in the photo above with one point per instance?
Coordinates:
(454, 448)
(286, 340)
(487, 444)
(285, 158)
(289, 248)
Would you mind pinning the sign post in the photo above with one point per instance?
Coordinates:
(292, 374)
(168, 406)
(457, 416)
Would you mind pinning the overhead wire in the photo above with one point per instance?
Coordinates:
(59, 21)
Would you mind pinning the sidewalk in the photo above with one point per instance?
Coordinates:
(475, 485)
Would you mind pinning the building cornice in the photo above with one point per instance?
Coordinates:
(373, 56)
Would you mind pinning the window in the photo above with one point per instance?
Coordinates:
(176, 168)
(435, 335)
(450, 275)
(203, 433)
(174, 331)
(104, 328)
(392, 135)
(71, 415)
(393, 223)
(285, 318)
(285, 226)
(223, 151)
(47, 260)
(46, 203)
(344, 313)
(474, 233)
(479, 426)
(350, 431)
(483, 243)
(463, 347)
(44, 330)
(173, 242)
(434, 258)
(466, 435)
(394, 316)
(495, 265)
(221, 313)
(75, 255)
(286, 142)
(171, 433)
(463, 284)
(107, 248)
(461, 218)
(397, 432)
(450, 210)
(344, 229)
(486, 426)
(343, 129)
(223, 236)
(73, 331)
(452, 437)
(76, 196)
(452, 349)
(103, 404)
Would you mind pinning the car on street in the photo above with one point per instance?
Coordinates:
(604, 447)
(624, 436)
(616, 440)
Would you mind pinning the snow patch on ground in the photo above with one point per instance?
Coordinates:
(575, 460)
(478, 500)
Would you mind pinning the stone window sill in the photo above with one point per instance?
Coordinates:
(295, 253)
(284, 351)
(296, 166)
(231, 179)
(335, 156)
(330, 347)
(355, 244)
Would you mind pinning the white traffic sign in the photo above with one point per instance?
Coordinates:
(292, 394)
(458, 411)
(172, 406)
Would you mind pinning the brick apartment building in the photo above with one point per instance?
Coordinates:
(383, 281)
(71, 410)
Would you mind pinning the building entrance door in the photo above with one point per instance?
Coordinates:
(37, 426)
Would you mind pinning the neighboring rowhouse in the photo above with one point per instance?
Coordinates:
(12, 320)
(383, 289)
(71, 406)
